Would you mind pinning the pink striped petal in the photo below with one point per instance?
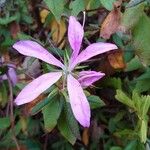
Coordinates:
(75, 36)
(33, 49)
(87, 78)
(93, 50)
(36, 87)
(78, 101)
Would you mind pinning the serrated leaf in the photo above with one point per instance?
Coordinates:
(95, 101)
(77, 6)
(51, 113)
(123, 98)
(108, 4)
(64, 128)
(56, 7)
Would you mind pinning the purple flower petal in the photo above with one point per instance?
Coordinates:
(75, 36)
(78, 101)
(87, 78)
(36, 87)
(91, 51)
(33, 49)
(13, 76)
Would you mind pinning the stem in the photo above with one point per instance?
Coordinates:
(84, 15)
(12, 119)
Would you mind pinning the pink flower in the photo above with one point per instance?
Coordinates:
(78, 100)
(11, 72)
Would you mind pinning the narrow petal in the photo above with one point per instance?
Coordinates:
(36, 87)
(13, 76)
(75, 36)
(87, 78)
(93, 50)
(78, 101)
(33, 49)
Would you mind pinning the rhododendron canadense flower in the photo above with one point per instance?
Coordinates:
(11, 72)
(78, 100)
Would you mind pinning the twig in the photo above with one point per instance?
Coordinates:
(45, 143)
(12, 111)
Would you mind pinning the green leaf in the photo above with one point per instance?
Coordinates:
(64, 128)
(44, 102)
(134, 3)
(134, 145)
(7, 139)
(113, 82)
(115, 148)
(77, 6)
(74, 127)
(145, 105)
(137, 103)
(123, 98)
(95, 101)
(132, 15)
(108, 4)
(51, 113)
(8, 19)
(3, 94)
(133, 64)
(142, 85)
(93, 4)
(113, 122)
(4, 123)
(56, 7)
(141, 39)
(143, 130)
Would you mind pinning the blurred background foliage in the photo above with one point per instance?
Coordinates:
(120, 101)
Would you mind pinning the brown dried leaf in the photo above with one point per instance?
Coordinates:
(58, 31)
(111, 23)
(29, 106)
(14, 29)
(85, 136)
(116, 60)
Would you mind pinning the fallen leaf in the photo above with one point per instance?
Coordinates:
(85, 136)
(116, 60)
(29, 106)
(43, 14)
(14, 29)
(111, 23)
(58, 29)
